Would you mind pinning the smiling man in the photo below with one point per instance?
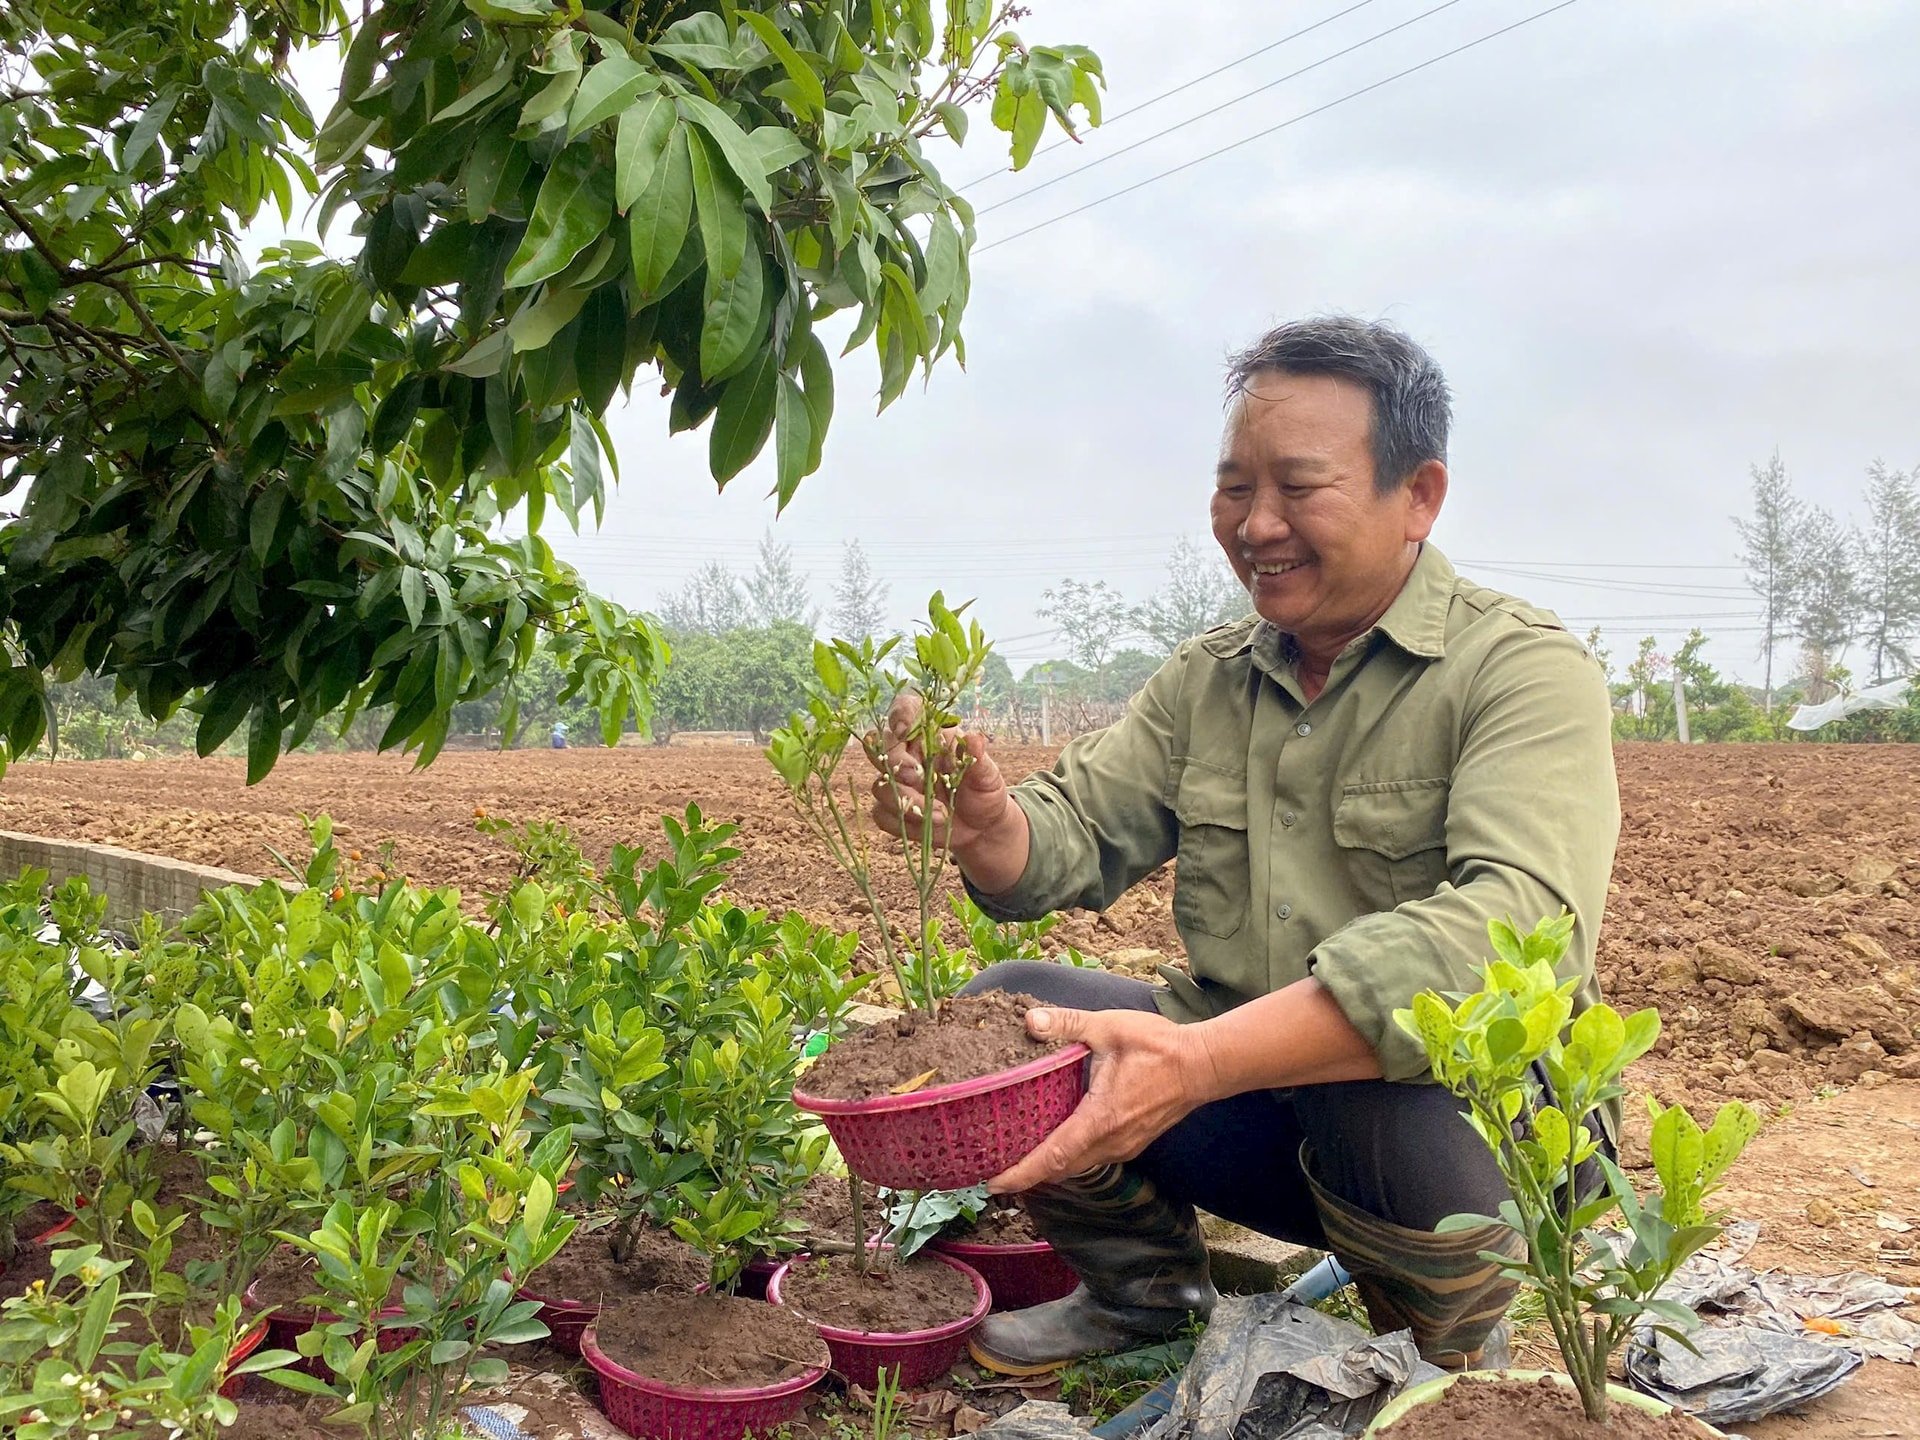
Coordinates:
(1354, 780)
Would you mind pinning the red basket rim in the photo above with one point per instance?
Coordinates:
(966, 1249)
(554, 1302)
(603, 1364)
(59, 1227)
(250, 1340)
(983, 1302)
(943, 1094)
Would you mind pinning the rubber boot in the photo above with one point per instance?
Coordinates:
(1436, 1285)
(1142, 1265)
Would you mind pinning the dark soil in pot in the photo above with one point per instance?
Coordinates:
(973, 1036)
(825, 1208)
(36, 1220)
(895, 1298)
(1003, 1222)
(710, 1341)
(1537, 1409)
(585, 1271)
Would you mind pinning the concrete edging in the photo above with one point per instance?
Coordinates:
(133, 883)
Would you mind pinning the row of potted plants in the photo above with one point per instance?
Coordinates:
(392, 1116)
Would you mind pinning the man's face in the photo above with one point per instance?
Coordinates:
(1294, 507)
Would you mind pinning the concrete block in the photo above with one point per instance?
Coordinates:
(1245, 1262)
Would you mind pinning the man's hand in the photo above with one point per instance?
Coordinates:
(1147, 1075)
(958, 794)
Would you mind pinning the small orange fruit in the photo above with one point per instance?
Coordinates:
(338, 893)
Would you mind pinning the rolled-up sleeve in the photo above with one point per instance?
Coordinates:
(1533, 814)
(1099, 820)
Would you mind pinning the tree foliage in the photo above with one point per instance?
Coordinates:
(1826, 593)
(745, 679)
(1091, 617)
(776, 590)
(271, 494)
(1888, 567)
(859, 597)
(1201, 592)
(1767, 540)
(709, 603)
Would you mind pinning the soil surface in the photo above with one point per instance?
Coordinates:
(899, 1297)
(585, 1270)
(279, 1420)
(1542, 1410)
(286, 1278)
(702, 1340)
(973, 1036)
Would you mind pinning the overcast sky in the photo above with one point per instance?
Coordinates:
(1649, 241)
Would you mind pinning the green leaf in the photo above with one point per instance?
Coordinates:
(608, 89)
(394, 418)
(955, 119)
(657, 222)
(792, 440)
(809, 96)
(639, 143)
(226, 706)
(721, 205)
(575, 204)
(263, 740)
(777, 147)
(735, 150)
(600, 346)
(744, 418)
(733, 321)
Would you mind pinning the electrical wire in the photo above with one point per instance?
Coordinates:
(1117, 116)
(1273, 129)
(1094, 164)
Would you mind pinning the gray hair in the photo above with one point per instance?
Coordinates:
(1412, 406)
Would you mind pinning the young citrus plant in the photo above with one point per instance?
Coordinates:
(1532, 1082)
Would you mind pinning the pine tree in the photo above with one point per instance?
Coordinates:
(1768, 555)
(1889, 570)
(710, 603)
(860, 599)
(1826, 595)
(776, 591)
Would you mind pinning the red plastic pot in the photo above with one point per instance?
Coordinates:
(565, 1320)
(948, 1137)
(647, 1407)
(1023, 1273)
(286, 1325)
(921, 1356)
(53, 1232)
(234, 1386)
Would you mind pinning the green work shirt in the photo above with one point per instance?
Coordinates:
(1457, 768)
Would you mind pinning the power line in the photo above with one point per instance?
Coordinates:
(1272, 129)
(1120, 115)
(1223, 105)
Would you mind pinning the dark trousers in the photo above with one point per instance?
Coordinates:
(1402, 1153)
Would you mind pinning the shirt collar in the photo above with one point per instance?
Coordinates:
(1416, 621)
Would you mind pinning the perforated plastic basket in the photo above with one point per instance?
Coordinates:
(922, 1356)
(645, 1407)
(948, 1137)
(1020, 1274)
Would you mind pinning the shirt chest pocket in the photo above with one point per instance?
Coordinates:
(1393, 834)
(1210, 885)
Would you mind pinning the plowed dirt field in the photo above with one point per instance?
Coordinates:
(1764, 898)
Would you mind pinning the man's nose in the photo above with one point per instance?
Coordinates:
(1266, 521)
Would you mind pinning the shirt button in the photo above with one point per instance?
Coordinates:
(1287, 817)
(1283, 911)
(1303, 728)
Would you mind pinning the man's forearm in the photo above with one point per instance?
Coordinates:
(994, 859)
(1296, 1035)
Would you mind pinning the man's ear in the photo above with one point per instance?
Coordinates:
(1425, 492)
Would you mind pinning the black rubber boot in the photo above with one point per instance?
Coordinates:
(1142, 1265)
(1436, 1285)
